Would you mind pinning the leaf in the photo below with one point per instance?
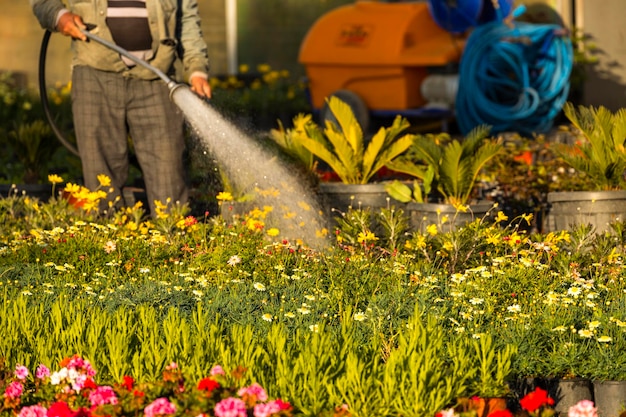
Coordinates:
(601, 154)
(399, 191)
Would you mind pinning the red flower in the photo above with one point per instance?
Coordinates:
(128, 383)
(89, 383)
(283, 405)
(500, 413)
(82, 412)
(536, 399)
(190, 221)
(208, 384)
(60, 409)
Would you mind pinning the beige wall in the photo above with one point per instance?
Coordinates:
(603, 21)
(21, 38)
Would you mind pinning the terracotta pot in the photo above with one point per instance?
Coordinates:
(486, 406)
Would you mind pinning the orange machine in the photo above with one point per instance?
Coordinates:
(376, 54)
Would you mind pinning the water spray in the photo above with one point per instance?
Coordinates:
(243, 159)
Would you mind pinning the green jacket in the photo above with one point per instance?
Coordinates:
(172, 37)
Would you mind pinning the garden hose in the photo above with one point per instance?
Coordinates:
(514, 78)
(44, 95)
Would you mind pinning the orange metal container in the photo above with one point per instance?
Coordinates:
(379, 51)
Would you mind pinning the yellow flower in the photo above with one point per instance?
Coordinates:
(461, 208)
(132, 226)
(263, 68)
(54, 179)
(493, 239)
(432, 229)
(321, 232)
(72, 188)
(367, 236)
(104, 180)
(527, 218)
(255, 224)
(224, 196)
(243, 68)
(304, 206)
(273, 231)
(447, 245)
(501, 217)
(420, 242)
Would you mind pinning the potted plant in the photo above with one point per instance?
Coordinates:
(489, 387)
(600, 154)
(446, 172)
(353, 159)
(606, 363)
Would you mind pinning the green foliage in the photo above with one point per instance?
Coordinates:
(494, 368)
(288, 140)
(315, 370)
(342, 145)
(256, 98)
(449, 166)
(318, 327)
(601, 153)
(34, 144)
(30, 147)
(438, 377)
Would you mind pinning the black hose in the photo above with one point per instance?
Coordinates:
(44, 95)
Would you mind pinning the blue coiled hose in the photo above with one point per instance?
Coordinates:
(514, 78)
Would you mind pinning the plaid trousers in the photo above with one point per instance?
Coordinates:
(113, 112)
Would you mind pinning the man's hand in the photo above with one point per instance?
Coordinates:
(200, 86)
(70, 24)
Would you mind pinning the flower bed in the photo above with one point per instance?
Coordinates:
(316, 328)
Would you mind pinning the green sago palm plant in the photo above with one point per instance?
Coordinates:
(343, 146)
(445, 165)
(601, 154)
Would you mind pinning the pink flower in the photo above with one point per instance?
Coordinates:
(584, 408)
(103, 395)
(79, 382)
(42, 372)
(21, 372)
(217, 370)
(14, 390)
(230, 407)
(79, 363)
(159, 407)
(266, 410)
(253, 391)
(33, 411)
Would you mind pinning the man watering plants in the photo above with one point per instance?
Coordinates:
(114, 98)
